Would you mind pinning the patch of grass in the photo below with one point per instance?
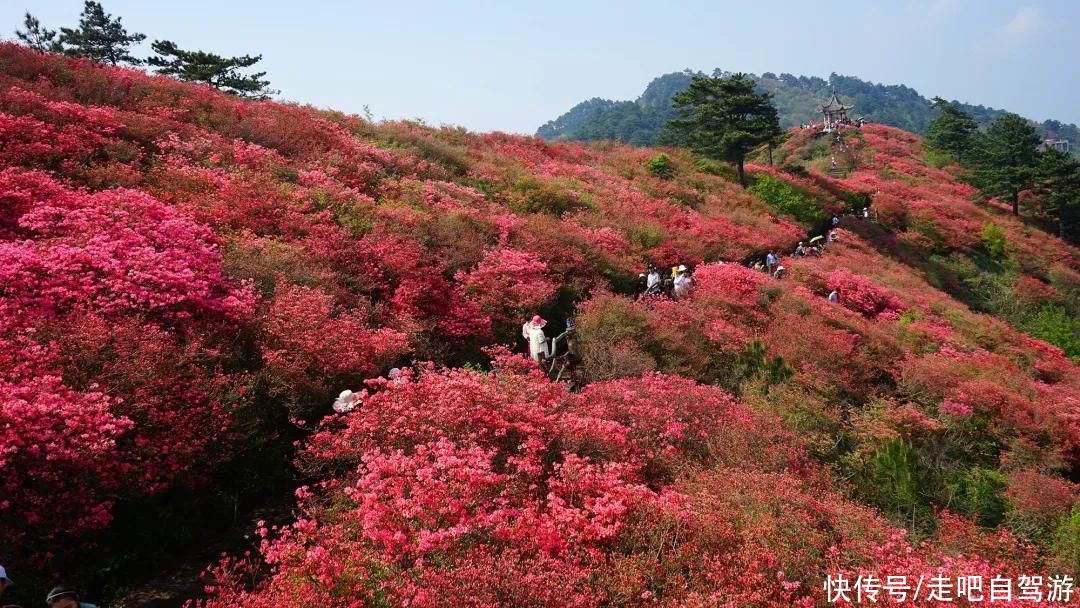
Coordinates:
(787, 199)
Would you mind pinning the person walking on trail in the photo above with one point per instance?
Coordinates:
(800, 250)
(834, 296)
(835, 220)
(683, 282)
(652, 282)
(538, 345)
(65, 596)
(526, 327)
(771, 262)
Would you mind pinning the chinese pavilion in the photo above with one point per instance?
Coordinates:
(834, 112)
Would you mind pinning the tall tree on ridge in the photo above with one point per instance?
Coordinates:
(952, 131)
(219, 72)
(723, 118)
(37, 37)
(1007, 159)
(1059, 182)
(100, 37)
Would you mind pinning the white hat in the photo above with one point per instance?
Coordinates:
(4, 576)
(345, 394)
(681, 268)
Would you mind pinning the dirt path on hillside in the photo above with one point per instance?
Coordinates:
(181, 579)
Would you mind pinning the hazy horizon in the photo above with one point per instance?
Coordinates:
(489, 66)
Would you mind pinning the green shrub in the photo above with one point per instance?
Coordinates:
(858, 200)
(646, 235)
(994, 241)
(796, 170)
(553, 198)
(893, 480)
(432, 148)
(937, 158)
(1065, 548)
(785, 198)
(753, 363)
(661, 166)
(712, 167)
(1055, 325)
(981, 493)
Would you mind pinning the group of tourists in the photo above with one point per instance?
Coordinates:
(60, 596)
(676, 285)
(770, 265)
(845, 122)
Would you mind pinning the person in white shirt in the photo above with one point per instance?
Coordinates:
(683, 282)
(538, 344)
(652, 283)
(525, 329)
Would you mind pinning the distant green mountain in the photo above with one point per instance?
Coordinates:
(640, 122)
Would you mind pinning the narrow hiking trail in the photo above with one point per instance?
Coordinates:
(180, 576)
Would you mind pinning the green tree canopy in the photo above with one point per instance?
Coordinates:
(100, 37)
(1059, 182)
(724, 118)
(1007, 159)
(37, 37)
(953, 130)
(219, 72)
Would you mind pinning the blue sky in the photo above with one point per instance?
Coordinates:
(513, 65)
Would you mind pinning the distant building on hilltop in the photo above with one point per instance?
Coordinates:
(834, 112)
(1061, 145)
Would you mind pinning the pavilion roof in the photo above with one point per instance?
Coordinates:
(834, 105)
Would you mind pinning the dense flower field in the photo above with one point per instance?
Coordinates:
(184, 275)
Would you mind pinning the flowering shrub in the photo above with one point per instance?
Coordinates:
(311, 348)
(861, 295)
(117, 252)
(58, 451)
(728, 284)
(508, 283)
(463, 479)
(122, 401)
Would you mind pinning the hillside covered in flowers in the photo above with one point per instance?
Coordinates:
(187, 280)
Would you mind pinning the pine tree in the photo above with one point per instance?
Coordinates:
(1007, 159)
(952, 131)
(1059, 183)
(723, 118)
(37, 37)
(100, 37)
(219, 72)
